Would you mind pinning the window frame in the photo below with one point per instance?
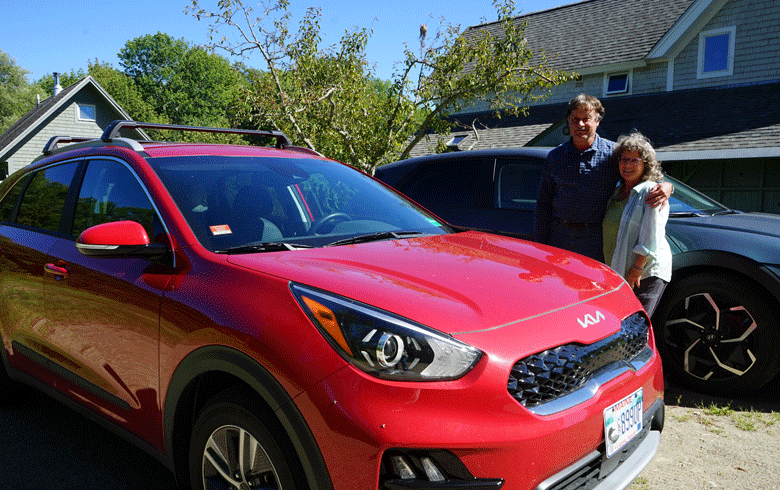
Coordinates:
(79, 117)
(624, 91)
(703, 37)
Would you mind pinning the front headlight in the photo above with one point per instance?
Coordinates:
(383, 344)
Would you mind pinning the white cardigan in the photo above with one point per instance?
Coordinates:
(643, 231)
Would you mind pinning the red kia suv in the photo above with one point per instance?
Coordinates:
(264, 317)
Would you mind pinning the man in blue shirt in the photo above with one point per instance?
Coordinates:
(577, 180)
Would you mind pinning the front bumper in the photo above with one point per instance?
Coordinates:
(493, 441)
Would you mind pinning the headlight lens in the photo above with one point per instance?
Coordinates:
(382, 344)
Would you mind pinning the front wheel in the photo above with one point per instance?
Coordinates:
(232, 449)
(718, 333)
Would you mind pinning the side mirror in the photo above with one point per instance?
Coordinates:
(119, 239)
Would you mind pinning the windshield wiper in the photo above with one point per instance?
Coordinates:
(260, 247)
(372, 237)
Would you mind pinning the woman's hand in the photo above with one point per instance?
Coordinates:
(633, 277)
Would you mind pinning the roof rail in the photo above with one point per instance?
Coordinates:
(112, 131)
(54, 142)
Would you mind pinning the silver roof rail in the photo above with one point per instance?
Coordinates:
(73, 142)
(112, 131)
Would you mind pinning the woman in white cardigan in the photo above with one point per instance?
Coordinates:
(635, 243)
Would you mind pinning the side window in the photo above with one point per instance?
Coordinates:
(44, 200)
(8, 206)
(458, 184)
(111, 192)
(517, 185)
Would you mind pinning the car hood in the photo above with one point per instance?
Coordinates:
(753, 235)
(456, 283)
(758, 223)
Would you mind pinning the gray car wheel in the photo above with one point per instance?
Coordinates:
(232, 449)
(716, 333)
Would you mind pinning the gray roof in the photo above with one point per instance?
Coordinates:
(32, 116)
(743, 119)
(596, 33)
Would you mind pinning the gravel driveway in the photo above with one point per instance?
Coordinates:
(713, 443)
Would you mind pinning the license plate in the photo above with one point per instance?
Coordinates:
(623, 421)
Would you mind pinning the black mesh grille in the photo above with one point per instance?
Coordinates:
(548, 375)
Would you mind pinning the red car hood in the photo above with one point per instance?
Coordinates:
(455, 283)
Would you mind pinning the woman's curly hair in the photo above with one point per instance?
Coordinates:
(636, 141)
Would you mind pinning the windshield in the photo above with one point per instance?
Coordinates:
(237, 204)
(686, 201)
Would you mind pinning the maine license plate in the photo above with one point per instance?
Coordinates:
(623, 421)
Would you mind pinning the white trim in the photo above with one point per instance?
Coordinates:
(730, 154)
(613, 68)
(85, 119)
(670, 74)
(684, 30)
(703, 36)
(629, 83)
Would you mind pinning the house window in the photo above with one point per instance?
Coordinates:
(86, 112)
(716, 53)
(617, 83)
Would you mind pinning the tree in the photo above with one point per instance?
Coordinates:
(125, 92)
(327, 98)
(183, 84)
(17, 95)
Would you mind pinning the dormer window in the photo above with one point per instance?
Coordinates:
(716, 53)
(617, 83)
(85, 112)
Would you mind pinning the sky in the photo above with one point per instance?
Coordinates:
(63, 36)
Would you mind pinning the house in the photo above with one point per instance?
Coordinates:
(700, 78)
(83, 109)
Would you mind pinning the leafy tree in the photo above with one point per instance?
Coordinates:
(184, 84)
(125, 92)
(328, 99)
(17, 95)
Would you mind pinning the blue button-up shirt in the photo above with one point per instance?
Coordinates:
(575, 186)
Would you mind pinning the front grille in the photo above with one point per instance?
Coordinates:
(551, 374)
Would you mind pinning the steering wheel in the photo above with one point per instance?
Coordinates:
(332, 216)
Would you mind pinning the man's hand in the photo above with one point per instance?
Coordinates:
(659, 194)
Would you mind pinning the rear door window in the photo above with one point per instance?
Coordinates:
(44, 200)
(451, 184)
(517, 184)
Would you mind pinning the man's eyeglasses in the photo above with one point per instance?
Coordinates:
(587, 120)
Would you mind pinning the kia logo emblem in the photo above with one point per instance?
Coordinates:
(589, 319)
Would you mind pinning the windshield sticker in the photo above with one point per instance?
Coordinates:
(217, 230)
(433, 222)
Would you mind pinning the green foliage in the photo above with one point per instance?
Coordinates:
(17, 94)
(176, 83)
(125, 92)
(326, 98)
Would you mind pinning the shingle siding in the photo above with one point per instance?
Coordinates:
(39, 125)
(756, 50)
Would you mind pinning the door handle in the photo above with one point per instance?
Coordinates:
(58, 271)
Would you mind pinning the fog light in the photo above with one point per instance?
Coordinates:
(402, 468)
(431, 471)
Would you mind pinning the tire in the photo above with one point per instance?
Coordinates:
(718, 334)
(228, 422)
